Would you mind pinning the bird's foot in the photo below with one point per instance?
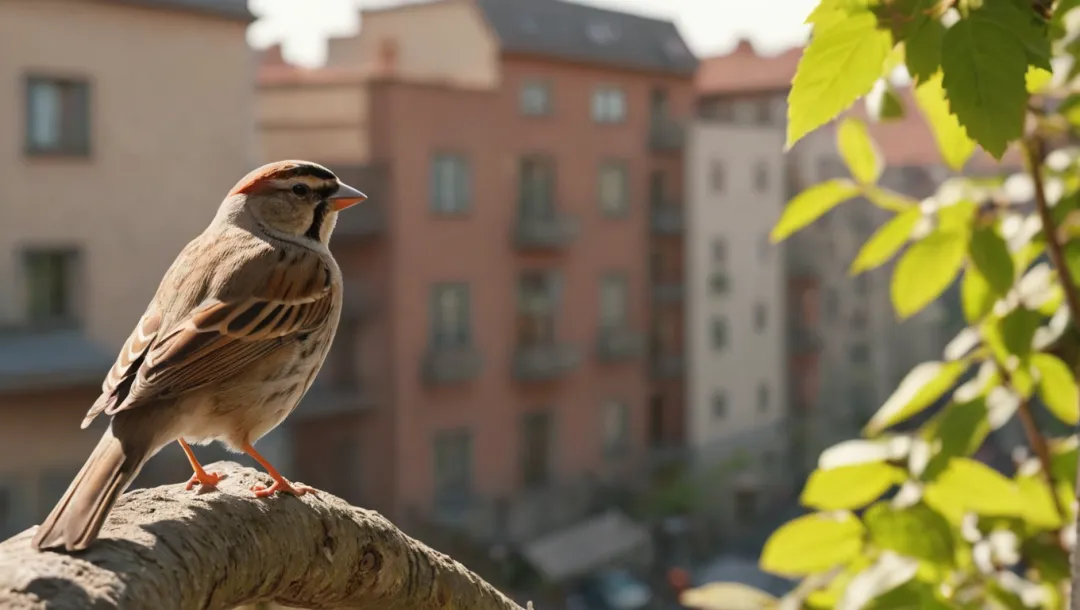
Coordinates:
(262, 491)
(206, 480)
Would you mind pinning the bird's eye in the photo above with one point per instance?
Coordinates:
(300, 190)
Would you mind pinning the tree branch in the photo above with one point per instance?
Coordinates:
(170, 548)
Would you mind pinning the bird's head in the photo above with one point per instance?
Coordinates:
(297, 200)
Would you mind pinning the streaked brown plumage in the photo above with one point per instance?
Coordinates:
(234, 336)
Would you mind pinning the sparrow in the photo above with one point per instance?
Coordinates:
(233, 338)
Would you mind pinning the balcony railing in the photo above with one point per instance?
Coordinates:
(666, 134)
(547, 231)
(619, 344)
(540, 361)
(667, 365)
(667, 218)
(367, 219)
(447, 365)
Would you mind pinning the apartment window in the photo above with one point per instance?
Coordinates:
(616, 427)
(613, 300)
(761, 316)
(761, 176)
(719, 250)
(536, 98)
(536, 432)
(451, 189)
(719, 282)
(716, 176)
(536, 185)
(451, 319)
(50, 285)
(658, 104)
(745, 112)
(613, 188)
(779, 110)
(859, 353)
(719, 333)
(57, 116)
(719, 404)
(538, 296)
(608, 105)
(762, 398)
(453, 454)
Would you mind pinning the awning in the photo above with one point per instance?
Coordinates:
(582, 548)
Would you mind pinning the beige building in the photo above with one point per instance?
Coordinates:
(125, 124)
(735, 307)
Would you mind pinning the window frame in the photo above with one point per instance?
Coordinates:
(448, 492)
(612, 278)
(603, 110)
(536, 84)
(620, 208)
(71, 267)
(74, 124)
(439, 335)
(461, 186)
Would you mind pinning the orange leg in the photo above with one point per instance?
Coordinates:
(208, 480)
(280, 484)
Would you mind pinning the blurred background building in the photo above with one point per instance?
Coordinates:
(566, 335)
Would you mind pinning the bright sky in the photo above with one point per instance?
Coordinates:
(710, 26)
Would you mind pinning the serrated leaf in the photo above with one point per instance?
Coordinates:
(1057, 388)
(812, 204)
(1017, 332)
(813, 543)
(991, 257)
(918, 390)
(727, 596)
(984, 67)
(925, 270)
(859, 152)
(916, 531)
(976, 296)
(952, 140)
(850, 487)
(886, 241)
(841, 63)
(973, 486)
(1036, 79)
(923, 47)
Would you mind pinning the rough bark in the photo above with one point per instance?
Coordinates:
(170, 548)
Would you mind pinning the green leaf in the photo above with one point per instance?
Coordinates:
(952, 140)
(858, 150)
(923, 47)
(912, 595)
(840, 64)
(991, 256)
(984, 66)
(1018, 330)
(727, 595)
(891, 107)
(976, 296)
(1057, 388)
(812, 204)
(1038, 505)
(1063, 458)
(927, 268)
(886, 241)
(916, 531)
(961, 428)
(813, 543)
(850, 487)
(972, 486)
(890, 200)
(1036, 79)
(918, 390)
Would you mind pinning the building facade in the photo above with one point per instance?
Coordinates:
(507, 272)
(123, 141)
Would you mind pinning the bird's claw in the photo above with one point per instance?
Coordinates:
(207, 481)
(262, 491)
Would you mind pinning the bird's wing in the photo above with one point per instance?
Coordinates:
(219, 337)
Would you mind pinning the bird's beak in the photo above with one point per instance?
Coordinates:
(345, 196)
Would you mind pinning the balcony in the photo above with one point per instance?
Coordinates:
(542, 361)
(668, 290)
(619, 344)
(450, 365)
(545, 232)
(667, 366)
(804, 340)
(330, 397)
(367, 219)
(667, 218)
(666, 135)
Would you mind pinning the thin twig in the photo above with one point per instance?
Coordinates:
(1037, 441)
